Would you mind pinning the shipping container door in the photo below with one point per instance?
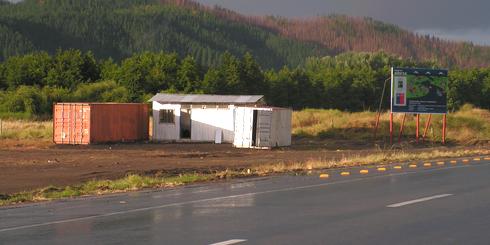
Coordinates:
(243, 127)
(71, 124)
(58, 127)
(82, 126)
(264, 126)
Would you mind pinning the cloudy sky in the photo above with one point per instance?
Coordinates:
(450, 19)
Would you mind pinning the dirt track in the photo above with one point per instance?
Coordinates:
(28, 167)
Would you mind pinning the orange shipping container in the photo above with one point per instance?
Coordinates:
(89, 123)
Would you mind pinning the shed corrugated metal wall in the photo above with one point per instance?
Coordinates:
(88, 123)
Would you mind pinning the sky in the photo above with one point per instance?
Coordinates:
(467, 20)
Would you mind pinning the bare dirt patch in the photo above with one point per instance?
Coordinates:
(27, 165)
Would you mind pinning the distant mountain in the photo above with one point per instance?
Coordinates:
(338, 34)
(119, 28)
(341, 33)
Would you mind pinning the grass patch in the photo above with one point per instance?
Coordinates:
(380, 158)
(23, 129)
(131, 182)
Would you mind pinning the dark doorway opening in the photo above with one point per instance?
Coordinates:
(254, 128)
(185, 123)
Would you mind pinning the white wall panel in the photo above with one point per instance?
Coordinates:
(205, 123)
(166, 131)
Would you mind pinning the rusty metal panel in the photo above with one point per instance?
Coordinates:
(119, 123)
(86, 123)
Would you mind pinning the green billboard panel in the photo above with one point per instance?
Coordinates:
(419, 91)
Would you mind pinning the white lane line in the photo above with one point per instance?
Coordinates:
(229, 242)
(425, 199)
(228, 197)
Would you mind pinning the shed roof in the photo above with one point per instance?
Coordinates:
(206, 99)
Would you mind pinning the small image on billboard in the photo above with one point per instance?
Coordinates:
(419, 91)
(400, 91)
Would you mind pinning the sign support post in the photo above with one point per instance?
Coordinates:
(444, 129)
(417, 126)
(401, 129)
(391, 128)
(379, 109)
(427, 125)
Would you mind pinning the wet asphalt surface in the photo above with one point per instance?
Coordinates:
(440, 204)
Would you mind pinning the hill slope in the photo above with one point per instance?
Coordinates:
(339, 34)
(120, 28)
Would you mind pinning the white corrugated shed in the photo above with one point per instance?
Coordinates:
(262, 127)
(204, 123)
(233, 119)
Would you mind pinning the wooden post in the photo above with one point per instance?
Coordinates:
(1, 127)
(379, 109)
(427, 124)
(377, 125)
(391, 128)
(401, 129)
(444, 129)
(417, 133)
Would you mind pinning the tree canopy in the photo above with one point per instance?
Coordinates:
(30, 84)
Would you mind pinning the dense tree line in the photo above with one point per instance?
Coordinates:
(120, 28)
(30, 84)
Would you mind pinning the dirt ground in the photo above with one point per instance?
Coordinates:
(29, 165)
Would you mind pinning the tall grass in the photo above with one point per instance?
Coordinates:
(23, 129)
(468, 125)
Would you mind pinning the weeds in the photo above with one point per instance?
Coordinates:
(97, 187)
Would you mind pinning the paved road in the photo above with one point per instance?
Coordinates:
(447, 204)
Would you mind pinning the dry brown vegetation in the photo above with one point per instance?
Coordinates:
(469, 125)
(23, 129)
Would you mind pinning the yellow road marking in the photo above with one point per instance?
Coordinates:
(466, 161)
(427, 164)
(397, 167)
(477, 159)
(382, 169)
(412, 165)
(454, 161)
(364, 171)
(441, 163)
(345, 173)
(324, 176)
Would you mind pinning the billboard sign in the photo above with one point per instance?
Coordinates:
(419, 91)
